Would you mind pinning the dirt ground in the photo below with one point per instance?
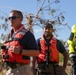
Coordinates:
(68, 69)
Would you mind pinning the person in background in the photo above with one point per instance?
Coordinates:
(72, 49)
(48, 58)
(16, 51)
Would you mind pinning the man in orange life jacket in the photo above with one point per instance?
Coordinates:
(49, 48)
(21, 45)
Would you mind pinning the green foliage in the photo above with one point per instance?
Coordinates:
(0, 56)
(60, 57)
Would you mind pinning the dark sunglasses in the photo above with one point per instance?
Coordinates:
(13, 17)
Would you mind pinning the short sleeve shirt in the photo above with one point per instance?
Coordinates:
(59, 45)
(28, 41)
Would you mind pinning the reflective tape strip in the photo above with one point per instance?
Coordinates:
(71, 55)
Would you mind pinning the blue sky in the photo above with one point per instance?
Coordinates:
(30, 6)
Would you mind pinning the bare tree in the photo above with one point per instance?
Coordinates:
(55, 17)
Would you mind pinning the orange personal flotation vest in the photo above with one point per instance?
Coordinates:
(12, 57)
(54, 54)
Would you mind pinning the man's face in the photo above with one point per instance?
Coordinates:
(14, 19)
(48, 32)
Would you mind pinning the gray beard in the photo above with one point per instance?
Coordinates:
(47, 35)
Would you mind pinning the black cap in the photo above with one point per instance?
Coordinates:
(48, 25)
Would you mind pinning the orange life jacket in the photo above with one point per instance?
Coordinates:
(12, 57)
(54, 54)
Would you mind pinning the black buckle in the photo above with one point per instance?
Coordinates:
(48, 44)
